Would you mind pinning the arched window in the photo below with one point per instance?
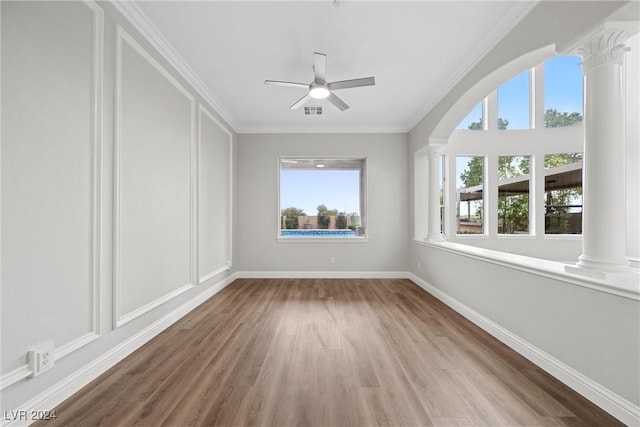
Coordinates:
(521, 177)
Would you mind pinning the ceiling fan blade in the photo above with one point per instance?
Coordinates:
(288, 84)
(337, 102)
(300, 102)
(320, 66)
(344, 84)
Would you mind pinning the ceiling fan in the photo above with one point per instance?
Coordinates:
(319, 88)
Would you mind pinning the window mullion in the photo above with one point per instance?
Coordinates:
(537, 97)
(491, 195)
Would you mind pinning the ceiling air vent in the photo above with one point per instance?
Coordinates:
(313, 111)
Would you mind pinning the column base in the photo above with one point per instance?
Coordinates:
(601, 268)
(437, 238)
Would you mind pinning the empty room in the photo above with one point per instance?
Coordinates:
(320, 213)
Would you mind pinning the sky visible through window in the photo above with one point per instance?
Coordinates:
(563, 84)
(563, 92)
(306, 189)
(513, 101)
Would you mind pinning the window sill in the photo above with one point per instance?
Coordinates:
(541, 267)
(563, 236)
(516, 236)
(472, 236)
(364, 239)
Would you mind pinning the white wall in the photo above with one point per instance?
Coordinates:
(100, 204)
(592, 336)
(257, 204)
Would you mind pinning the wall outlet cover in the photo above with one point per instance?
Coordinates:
(41, 358)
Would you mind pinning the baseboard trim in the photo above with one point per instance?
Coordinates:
(65, 388)
(322, 275)
(617, 406)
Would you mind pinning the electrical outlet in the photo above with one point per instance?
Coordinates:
(419, 265)
(41, 358)
(332, 260)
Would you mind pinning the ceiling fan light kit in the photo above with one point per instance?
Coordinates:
(319, 88)
(319, 92)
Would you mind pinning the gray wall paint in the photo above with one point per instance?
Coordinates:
(257, 204)
(595, 333)
(47, 204)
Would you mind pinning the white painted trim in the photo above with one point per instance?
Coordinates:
(540, 267)
(132, 12)
(15, 376)
(229, 255)
(126, 318)
(213, 274)
(96, 255)
(65, 388)
(322, 274)
(316, 129)
(293, 239)
(517, 11)
(194, 199)
(221, 125)
(74, 345)
(118, 319)
(614, 404)
(25, 371)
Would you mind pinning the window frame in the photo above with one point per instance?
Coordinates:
(485, 187)
(363, 199)
(534, 143)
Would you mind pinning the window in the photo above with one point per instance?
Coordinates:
(563, 193)
(513, 194)
(474, 120)
(469, 190)
(562, 91)
(322, 198)
(514, 102)
(496, 198)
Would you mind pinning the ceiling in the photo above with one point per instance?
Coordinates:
(417, 51)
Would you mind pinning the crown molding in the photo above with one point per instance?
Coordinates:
(150, 32)
(513, 16)
(307, 129)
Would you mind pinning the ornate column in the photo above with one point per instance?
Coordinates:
(433, 229)
(603, 173)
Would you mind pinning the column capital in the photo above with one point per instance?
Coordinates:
(604, 47)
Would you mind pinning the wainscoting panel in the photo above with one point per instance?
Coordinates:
(214, 216)
(153, 183)
(51, 146)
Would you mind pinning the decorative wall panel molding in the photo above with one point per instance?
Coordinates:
(52, 177)
(65, 388)
(215, 150)
(153, 183)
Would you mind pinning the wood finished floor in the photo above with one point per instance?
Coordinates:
(316, 352)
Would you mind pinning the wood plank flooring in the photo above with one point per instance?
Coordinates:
(316, 352)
